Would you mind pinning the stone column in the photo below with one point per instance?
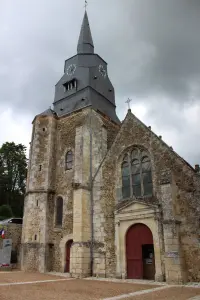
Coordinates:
(117, 245)
(174, 261)
(39, 188)
(80, 250)
(90, 144)
(158, 249)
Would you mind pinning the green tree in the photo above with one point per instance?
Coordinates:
(13, 170)
(5, 212)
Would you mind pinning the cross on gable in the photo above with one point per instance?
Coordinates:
(128, 102)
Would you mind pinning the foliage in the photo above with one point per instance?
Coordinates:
(5, 212)
(13, 169)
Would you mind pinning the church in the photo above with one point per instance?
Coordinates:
(106, 198)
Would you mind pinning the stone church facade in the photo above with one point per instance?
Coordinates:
(106, 198)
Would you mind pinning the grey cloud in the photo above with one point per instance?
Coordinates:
(161, 49)
(152, 48)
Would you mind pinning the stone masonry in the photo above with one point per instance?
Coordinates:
(176, 187)
(95, 218)
(94, 139)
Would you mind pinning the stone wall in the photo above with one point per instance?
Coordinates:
(65, 141)
(188, 199)
(43, 244)
(183, 207)
(73, 134)
(40, 187)
(91, 145)
(48, 179)
(108, 133)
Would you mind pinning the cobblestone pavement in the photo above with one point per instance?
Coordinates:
(60, 288)
(20, 286)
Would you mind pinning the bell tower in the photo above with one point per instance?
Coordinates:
(85, 82)
(82, 118)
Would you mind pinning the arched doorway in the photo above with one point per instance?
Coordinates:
(67, 255)
(140, 252)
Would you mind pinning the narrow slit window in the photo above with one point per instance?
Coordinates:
(59, 211)
(68, 160)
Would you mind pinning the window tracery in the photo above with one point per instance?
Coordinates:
(136, 174)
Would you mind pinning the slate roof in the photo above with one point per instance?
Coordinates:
(85, 42)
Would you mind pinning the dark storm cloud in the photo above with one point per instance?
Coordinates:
(36, 39)
(152, 48)
(160, 48)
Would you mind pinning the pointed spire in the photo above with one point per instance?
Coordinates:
(85, 42)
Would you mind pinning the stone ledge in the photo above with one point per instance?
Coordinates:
(38, 191)
(171, 221)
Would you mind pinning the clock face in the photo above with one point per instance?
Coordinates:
(102, 71)
(71, 69)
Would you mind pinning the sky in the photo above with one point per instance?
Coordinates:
(152, 48)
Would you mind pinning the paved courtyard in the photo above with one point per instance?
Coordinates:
(20, 285)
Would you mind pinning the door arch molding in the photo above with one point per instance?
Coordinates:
(63, 242)
(67, 255)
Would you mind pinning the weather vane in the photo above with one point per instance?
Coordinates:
(128, 102)
(86, 4)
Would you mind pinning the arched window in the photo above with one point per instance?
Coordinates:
(68, 160)
(139, 177)
(59, 211)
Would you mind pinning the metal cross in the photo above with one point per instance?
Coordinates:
(86, 4)
(128, 102)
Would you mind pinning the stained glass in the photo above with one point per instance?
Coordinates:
(141, 177)
(135, 153)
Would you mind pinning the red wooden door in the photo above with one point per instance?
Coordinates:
(68, 247)
(136, 236)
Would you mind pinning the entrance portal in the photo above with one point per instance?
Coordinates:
(68, 247)
(140, 253)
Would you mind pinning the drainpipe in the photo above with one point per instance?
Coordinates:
(91, 201)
